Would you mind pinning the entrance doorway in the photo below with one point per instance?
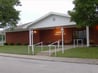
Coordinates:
(79, 36)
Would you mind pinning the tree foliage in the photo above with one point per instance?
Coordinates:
(84, 12)
(8, 14)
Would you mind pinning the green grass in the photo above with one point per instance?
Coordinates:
(23, 50)
(91, 52)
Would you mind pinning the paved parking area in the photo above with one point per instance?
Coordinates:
(18, 65)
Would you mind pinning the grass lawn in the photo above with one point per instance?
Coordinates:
(23, 50)
(91, 52)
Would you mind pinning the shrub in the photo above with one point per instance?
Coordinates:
(18, 44)
(11, 44)
(5, 43)
(26, 44)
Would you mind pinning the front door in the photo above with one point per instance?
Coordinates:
(80, 34)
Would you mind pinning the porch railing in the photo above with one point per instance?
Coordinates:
(37, 44)
(29, 46)
(1, 43)
(55, 47)
(76, 42)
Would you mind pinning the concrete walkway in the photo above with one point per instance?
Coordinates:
(57, 59)
(46, 53)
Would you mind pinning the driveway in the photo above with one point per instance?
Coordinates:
(18, 65)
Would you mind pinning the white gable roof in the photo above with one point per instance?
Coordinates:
(51, 20)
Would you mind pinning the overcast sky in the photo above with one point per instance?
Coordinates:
(33, 9)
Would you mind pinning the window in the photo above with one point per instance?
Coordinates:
(81, 34)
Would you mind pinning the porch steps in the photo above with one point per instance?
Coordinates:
(46, 53)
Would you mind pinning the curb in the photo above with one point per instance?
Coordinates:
(53, 59)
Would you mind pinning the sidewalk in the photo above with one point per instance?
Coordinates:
(55, 59)
(46, 53)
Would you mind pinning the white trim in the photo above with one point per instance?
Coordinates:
(66, 26)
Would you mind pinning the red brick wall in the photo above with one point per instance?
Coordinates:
(17, 37)
(21, 37)
(94, 35)
(68, 33)
(48, 36)
(36, 37)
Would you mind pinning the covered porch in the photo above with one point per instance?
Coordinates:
(66, 35)
(72, 35)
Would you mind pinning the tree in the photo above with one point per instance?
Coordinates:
(8, 14)
(84, 12)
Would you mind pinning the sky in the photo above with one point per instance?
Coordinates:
(34, 9)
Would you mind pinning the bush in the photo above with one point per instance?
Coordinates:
(18, 43)
(11, 44)
(5, 43)
(26, 44)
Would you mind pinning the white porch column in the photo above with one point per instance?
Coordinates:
(30, 39)
(87, 36)
(62, 30)
(2, 40)
(32, 42)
